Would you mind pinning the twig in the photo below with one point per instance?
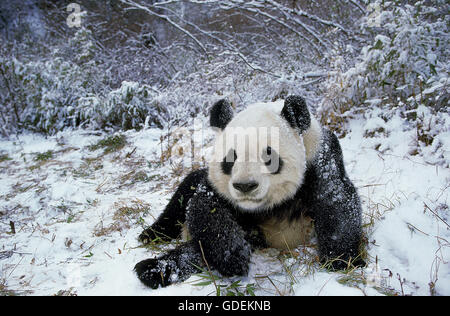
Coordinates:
(134, 5)
(359, 6)
(415, 228)
(318, 293)
(256, 68)
(15, 267)
(108, 254)
(128, 155)
(209, 269)
(427, 207)
(401, 283)
(13, 227)
(270, 280)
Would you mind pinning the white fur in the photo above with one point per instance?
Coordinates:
(286, 234)
(312, 138)
(295, 150)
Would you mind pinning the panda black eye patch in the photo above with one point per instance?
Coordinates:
(228, 162)
(272, 160)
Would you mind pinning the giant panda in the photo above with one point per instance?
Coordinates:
(273, 190)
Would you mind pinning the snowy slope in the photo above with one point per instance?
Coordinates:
(77, 212)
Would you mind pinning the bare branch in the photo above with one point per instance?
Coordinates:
(135, 5)
(358, 5)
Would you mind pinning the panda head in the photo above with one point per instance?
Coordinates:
(261, 154)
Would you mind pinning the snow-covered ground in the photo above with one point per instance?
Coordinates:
(70, 215)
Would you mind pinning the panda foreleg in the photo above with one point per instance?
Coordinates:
(175, 266)
(168, 226)
(338, 232)
(336, 207)
(222, 240)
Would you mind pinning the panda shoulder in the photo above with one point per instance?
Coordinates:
(313, 139)
(331, 144)
(330, 156)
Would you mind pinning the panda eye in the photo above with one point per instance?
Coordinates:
(272, 160)
(267, 155)
(228, 162)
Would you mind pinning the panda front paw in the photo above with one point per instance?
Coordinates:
(236, 263)
(151, 235)
(154, 272)
(146, 236)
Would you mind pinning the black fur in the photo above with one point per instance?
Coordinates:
(226, 235)
(228, 162)
(268, 155)
(169, 224)
(296, 113)
(221, 114)
(175, 266)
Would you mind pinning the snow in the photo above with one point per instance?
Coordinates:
(409, 239)
(323, 284)
(58, 211)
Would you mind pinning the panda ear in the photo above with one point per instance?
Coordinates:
(296, 113)
(221, 114)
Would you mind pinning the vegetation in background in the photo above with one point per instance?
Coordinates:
(110, 143)
(133, 64)
(404, 66)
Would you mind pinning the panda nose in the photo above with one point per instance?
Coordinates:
(245, 187)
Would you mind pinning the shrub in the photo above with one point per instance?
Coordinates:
(45, 95)
(130, 106)
(48, 95)
(405, 64)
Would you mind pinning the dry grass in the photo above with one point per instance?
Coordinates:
(4, 157)
(126, 215)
